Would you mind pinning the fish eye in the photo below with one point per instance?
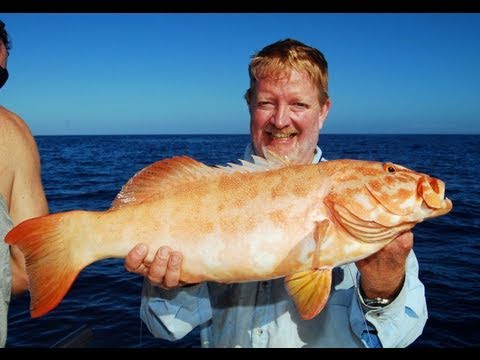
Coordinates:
(389, 168)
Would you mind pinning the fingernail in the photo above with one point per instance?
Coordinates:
(164, 253)
(175, 259)
(141, 249)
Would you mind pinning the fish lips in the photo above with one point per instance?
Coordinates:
(432, 191)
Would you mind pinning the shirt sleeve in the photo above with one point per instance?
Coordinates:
(172, 314)
(397, 324)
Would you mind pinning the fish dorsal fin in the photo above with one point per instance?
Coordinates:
(271, 161)
(310, 290)
(160, 176)
(275, 159)
(163, 174)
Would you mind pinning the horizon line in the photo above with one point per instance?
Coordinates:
(245, 134)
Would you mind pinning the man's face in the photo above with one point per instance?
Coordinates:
(286, 117)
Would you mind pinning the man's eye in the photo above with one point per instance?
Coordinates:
(300, 105)
(264, 103)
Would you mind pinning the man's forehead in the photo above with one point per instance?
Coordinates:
(286, 75)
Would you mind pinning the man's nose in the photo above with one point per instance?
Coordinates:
(280, 118)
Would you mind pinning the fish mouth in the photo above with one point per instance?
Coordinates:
(432, 192)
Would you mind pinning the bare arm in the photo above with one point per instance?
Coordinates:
(26, 198)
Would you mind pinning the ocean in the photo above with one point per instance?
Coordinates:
(86, 172)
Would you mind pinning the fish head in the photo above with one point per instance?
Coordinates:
(377, 201)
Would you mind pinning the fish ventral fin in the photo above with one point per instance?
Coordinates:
(310, 290)
(163, 174)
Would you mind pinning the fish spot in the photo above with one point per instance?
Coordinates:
(376, 185)
(390, 180)
(229, 225)
(350, 177)
(300, 190)
(251, 191)
(228, 183)
(403, 194)
(205, 227)
(278, 217)
(232, 226)
(366, 171)
(239, 202)
(276, 192)
(250, 222)
(191, 227)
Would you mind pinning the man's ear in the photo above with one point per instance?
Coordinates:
(324, 112)
(3, 55)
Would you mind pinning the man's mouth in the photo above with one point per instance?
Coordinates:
(282, 135)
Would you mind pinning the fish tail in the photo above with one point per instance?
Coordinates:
(50, 244)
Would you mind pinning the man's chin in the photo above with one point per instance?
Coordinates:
(289, 153)
(283, 147)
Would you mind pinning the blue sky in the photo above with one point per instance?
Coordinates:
(186, 73)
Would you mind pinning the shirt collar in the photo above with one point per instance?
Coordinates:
(317, 157)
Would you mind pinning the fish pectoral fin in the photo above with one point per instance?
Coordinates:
(310, 290)
(320, 233)
(321, 230)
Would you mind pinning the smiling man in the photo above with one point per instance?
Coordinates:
(288, 103)
(379, 301)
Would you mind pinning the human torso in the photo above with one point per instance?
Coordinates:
(5, 274)
(262, 314)
(7, 160)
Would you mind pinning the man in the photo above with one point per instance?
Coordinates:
(21, 192)
(379, 301)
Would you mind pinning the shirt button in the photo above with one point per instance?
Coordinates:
(264, 284)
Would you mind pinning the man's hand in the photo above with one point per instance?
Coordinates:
(382, 274)
(163, 271)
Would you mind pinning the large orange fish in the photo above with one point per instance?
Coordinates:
(254, 221)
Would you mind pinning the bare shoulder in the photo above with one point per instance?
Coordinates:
(18, 149)
(20, 183)
(15, 135)
(12, 124)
